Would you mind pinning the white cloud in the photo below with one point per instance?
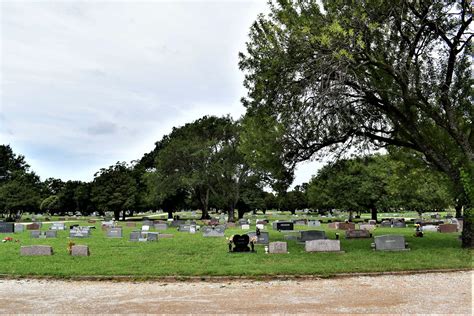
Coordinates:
(87, 83)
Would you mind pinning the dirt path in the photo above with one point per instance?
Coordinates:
(419, 293)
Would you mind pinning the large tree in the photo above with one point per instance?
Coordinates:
(114, 190)
(367, 74)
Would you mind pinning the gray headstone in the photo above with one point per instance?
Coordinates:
(7, 227)
(79, 232)
(80, 251)
(209, 231)
(429, 228)
(390, 243)
(358, 233)
(114, 232)
(19, 228)
(372, 222)
(386, 224)
(58, 226)
(35, 234)
(36, 250)
(161, 226)
(263, 238)
(152, 236)
(313, 223)
(307, 235)
(278, 247)
(368, 227)
(134, 236)
(399, 224)
(323, 245)
(51, 234)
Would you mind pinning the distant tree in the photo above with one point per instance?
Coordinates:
(50, 205)
(114, 190)
(20, 189)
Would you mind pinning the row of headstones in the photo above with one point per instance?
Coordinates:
(42, 250)
(381, 243)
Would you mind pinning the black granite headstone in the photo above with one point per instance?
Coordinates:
(241, 243)
(7, 227)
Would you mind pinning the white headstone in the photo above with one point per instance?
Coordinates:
(246, 226)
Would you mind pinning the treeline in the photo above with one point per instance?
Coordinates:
(202, 165)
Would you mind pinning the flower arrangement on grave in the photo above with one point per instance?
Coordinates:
(69, 246)
(253, 241)
(230, 241)
(7, 239)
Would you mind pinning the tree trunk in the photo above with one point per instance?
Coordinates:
(117, 215)
(170, 214)
(240, 213)
(466, 235)
(124, 215)
(458, 208)
(293, 212)
(205, 206)
(230, 214)
(374, 213)
(264, 211)
(350, 215)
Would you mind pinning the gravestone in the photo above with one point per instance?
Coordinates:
(7, 227)
(390, 243)
(143, 236)
(261, 222)
(345, 226)
(313, 223)
(260, 226)
(51, 233)
(241, 243)
(372, 222)
(145, 228)
(429, 228)
(177, 223)
(323, 245)
(307, 235)
(36, 250)
(448, 228)
(213, 231)
(301, 222)
(283, 226)
(358, 233)
(368, 227)
(35, 234)
(19, 228)
(385, 223)
(278, 247)
(161, 226)
(131, 224)
(79, 232)
(192, 229)
(230, 224)
(58, 226)
(399, 224)
(333, 225)
(214, 221)
(114, 232)
(243, 221)
(33, 226)
(186, 228)
(245, 226)
(80, 251)
(147, 223)
(163, 236)
(262, 239)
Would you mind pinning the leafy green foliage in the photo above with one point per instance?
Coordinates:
(365, 74)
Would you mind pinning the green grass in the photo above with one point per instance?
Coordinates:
(194, 255)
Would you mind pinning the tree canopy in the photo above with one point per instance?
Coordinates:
(366, 74)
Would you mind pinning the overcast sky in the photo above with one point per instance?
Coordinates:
(85, 84)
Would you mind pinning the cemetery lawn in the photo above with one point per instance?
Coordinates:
(193, 255)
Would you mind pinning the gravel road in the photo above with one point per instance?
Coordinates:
(432, 293)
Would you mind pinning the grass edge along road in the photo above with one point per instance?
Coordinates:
(194, 255)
